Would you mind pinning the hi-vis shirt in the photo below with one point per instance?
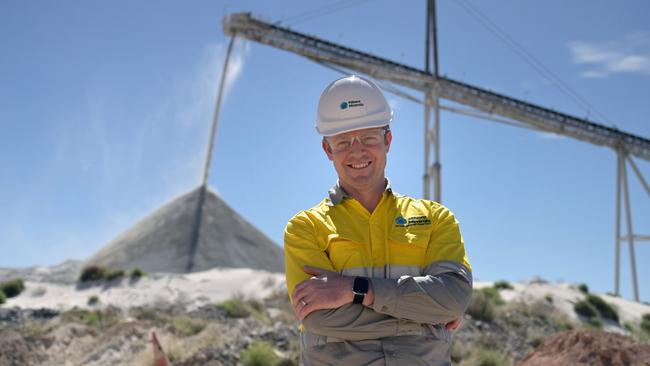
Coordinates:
(413, 253)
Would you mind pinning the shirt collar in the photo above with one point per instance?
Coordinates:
(337, 194)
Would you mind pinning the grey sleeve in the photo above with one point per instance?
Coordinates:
(355, 322)
(439, 296)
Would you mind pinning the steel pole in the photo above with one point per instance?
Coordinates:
(217, 110)
(434, 36)
(639, 175)
(437, 174)
(617, 241)
(630, 235)
(426, 184)
(436, 165)
(198, 217)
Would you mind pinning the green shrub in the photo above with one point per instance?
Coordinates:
(536, 341)
(237, 307)
(503, 285)
(93, 273)
(91, 318)
(3, 298)
(583, 288)
(645, 323)
(585, 309)
(137, 273)
(458, 351)
(187, 326)
(12, 288)
(93, 300)
(259, 354)
(562, 322)
(604, 309)
(99, 273)
(286, 362)
(548, 298)
(493, 294)
(488, 357)
(483, 303)
(145, 313)
(115, 274)
(595, 322)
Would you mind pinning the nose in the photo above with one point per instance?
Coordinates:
(355, 144)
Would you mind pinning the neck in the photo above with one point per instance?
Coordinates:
(370, 197)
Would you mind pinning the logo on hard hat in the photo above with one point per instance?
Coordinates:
(351, 103)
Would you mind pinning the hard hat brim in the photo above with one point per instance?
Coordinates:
(360, 125)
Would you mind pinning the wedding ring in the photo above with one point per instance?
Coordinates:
(303, 302)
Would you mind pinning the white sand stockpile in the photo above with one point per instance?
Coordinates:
(194, 290)
(190, 291)
(564, 295)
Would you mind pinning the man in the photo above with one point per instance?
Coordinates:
(376, 278)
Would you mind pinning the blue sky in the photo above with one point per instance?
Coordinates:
(105, 110)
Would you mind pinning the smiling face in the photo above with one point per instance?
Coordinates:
(359, 158)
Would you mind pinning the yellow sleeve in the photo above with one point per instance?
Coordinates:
(443, 290)
(302, 247)
(446, 242)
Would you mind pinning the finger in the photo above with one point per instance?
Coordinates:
(298, 306)
(299, 289)
(453, 325)
(300, 293)
(305, 310)
(310, 308)
(315, 271)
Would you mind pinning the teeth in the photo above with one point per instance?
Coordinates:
(360, 166)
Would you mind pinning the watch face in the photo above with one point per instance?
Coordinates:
(360, 285)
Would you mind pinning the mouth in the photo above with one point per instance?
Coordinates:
(360, 165)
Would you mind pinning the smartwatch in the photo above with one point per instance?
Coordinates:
(360, 289)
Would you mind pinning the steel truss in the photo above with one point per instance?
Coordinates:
(484, 104)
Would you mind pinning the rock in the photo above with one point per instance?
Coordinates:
(10, 315)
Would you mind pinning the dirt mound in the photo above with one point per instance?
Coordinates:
(591, 348)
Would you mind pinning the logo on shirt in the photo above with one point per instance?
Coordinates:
(400, 221)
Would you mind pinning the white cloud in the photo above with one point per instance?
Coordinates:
(593, 74)
(196, 97)
(192, 106)
(550, 136)
(629, 54)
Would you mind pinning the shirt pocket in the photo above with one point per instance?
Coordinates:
(408, 245)
(345, 253)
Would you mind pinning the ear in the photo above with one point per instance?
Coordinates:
(389, 139)
(327, 149)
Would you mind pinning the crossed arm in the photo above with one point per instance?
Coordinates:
(323, 304)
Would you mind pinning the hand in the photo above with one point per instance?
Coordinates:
(326, 290)
(453, 325)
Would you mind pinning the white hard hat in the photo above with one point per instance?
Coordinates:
(351, 103)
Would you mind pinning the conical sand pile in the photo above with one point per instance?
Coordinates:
(162, 241)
